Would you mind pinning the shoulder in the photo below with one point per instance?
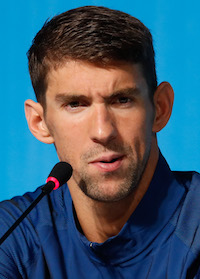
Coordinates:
(22, 248)
(188, 215)
(12, 209)
(22, 244)
(189, 179)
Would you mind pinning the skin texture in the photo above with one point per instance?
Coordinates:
(104, 124)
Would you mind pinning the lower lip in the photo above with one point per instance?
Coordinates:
(108, 167)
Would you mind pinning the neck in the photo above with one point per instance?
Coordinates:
(101, 220)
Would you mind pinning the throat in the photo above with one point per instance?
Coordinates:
(101, 230)
(103, 221)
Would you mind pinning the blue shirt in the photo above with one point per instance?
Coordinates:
(160, 240)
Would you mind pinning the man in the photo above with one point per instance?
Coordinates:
(123, 214)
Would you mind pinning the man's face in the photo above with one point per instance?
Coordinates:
(101, 122)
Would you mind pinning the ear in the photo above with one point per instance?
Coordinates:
(163, 103)
(35, 117)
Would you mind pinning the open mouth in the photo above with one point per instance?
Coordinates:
(109, 162)
(108, 165)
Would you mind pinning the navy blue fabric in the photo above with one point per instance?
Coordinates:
(160, 240)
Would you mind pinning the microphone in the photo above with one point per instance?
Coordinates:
(59, 175)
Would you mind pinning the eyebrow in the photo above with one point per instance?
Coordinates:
(129, 92)
(68, 97)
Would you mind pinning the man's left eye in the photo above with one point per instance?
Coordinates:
(74, 104)
(123, 100)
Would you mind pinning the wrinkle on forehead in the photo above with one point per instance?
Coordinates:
(81, 78)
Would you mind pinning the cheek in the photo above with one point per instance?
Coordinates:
(69, 143)
(137, 124)
(69, 136)
(136, 131)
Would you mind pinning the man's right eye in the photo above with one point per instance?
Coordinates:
(74, 104)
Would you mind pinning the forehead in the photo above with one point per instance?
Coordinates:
(85, 78)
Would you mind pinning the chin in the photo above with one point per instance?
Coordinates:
(109, 195)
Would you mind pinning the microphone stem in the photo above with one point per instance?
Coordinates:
(46, 189)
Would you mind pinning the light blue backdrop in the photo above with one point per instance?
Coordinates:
(175, 26)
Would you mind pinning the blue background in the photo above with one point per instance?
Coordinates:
(175, 25)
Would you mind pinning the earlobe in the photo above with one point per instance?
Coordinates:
(163, 103)
(36, 122)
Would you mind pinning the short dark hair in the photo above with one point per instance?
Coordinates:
(98, 35)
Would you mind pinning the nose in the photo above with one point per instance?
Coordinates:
(102, 125)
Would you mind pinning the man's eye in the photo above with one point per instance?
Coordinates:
(74, 104)
(124, 100)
